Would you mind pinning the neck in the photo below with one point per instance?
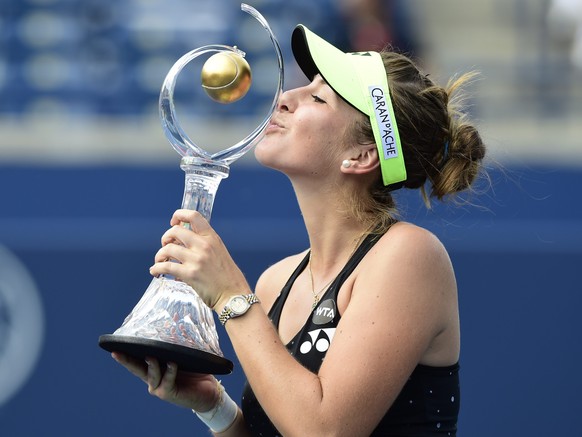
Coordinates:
(332, 230)
(332, 242)
(328, 272)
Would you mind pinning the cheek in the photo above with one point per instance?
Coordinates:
(313, 131)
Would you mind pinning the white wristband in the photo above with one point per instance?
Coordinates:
(223, 415)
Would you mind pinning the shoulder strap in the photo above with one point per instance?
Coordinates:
(361, 251)
(277, 308)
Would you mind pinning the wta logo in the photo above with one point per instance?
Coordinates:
(324, 313)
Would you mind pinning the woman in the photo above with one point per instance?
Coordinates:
(364, 325)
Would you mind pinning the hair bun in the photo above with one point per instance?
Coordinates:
(461, 167)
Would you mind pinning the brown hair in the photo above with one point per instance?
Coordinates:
(442, 150)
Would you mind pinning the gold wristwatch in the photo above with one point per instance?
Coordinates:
(237, 306)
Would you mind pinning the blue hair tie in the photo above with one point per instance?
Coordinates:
(446, 152)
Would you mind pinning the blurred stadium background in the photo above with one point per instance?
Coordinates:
(88, 183)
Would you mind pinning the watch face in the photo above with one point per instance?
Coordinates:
(239, 304)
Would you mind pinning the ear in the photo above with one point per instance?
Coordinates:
(365, 162)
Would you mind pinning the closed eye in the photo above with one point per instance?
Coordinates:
(317, 99)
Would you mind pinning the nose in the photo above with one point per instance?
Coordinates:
(288, 100)
(284, 101)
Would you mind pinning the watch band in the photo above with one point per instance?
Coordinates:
(228, 312)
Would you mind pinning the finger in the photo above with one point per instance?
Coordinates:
(165, 254)
(135, 366)
(175, 234)
(179, 235)
(154, 375)
(168, 382)
(182, 216)
(174, 252)
(198, 223)
(169, 237)
(167, 268)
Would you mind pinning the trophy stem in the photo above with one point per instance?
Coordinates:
(201, 184)
(171, 322)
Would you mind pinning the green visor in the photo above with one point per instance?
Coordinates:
(360, 79)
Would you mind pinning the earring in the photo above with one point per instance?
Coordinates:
(346, 163)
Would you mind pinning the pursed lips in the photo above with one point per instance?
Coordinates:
(274, 125)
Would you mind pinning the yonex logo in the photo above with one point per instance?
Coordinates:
(320, 339)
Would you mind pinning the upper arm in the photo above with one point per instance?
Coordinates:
(399, 303)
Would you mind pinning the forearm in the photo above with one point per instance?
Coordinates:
(262, 355)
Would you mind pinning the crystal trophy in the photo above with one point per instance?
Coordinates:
(170, 321)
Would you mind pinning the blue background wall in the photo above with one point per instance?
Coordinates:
(79, 83)
(88, 235)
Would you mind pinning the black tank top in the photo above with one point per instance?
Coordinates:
(428, 404)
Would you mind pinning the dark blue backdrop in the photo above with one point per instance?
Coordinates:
(88, 235)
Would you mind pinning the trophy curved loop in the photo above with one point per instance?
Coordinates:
(174, 132)
(234, 152)
(179, 140)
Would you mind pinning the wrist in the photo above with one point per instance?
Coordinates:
(237, 306)
(220, 417)
(222, 302)
(204, 408)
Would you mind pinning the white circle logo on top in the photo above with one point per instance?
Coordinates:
(21, 325)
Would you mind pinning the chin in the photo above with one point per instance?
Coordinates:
(265, 158)
(261, 152)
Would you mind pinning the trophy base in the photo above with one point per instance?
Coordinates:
(188, 359)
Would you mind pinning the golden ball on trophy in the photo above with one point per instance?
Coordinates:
(226, 77)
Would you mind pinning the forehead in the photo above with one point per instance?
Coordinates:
(319, 81)
(320, 84)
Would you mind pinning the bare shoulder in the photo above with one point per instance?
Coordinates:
(401, 302)
(407, 244)
(409, 265)
(404, 232)
(273, 279)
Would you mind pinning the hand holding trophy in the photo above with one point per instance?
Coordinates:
(170, 322)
